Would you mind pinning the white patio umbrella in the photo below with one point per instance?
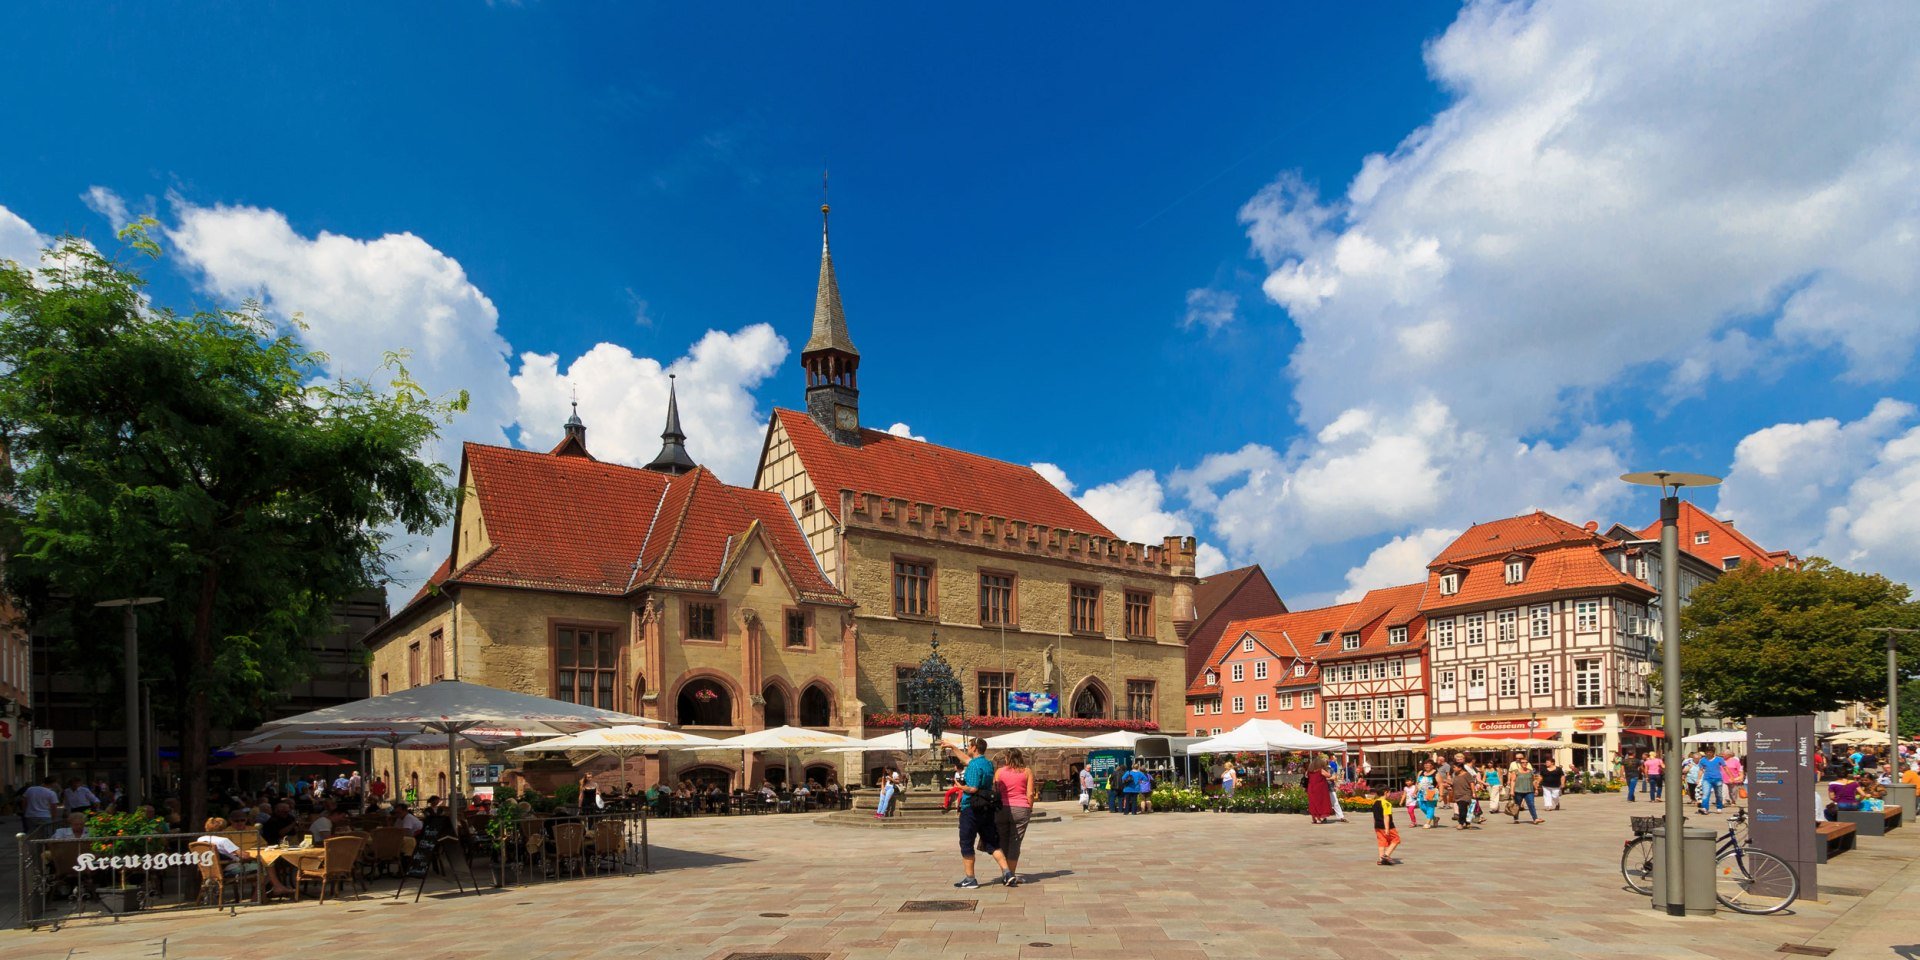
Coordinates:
(1031, 739)
(1265, 736)
(618, 742)
(1716, 736)
(278, 740)
(904, 740)
(789, 739)
(1120, 739)
(1858, 736)
(452, 707)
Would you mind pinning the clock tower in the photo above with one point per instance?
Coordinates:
(830, 359)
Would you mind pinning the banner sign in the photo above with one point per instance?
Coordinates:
(1504, 726)
(1024, 701)
(145, 861)
(1589, 724)
(1103, 762)
(1780, 798)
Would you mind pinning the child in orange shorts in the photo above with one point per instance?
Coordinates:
(1384, 833)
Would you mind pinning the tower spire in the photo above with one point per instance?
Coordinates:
(574, 441)
(673, 457)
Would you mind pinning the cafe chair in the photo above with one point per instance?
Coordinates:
(213, 875)
(335, 866)
(570, 848)
(389, 847)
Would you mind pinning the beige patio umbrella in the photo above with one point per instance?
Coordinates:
(789, 739)
(1031, 739)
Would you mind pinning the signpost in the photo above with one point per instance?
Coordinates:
(1780, 800)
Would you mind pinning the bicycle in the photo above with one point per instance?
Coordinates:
(1746, 878)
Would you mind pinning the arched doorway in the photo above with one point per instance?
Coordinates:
(820, 773)
(816, 708)
(775, 709)
(1091, 702)
(704, 703)
(704, 778)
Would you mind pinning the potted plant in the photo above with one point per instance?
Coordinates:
(503, 828)
(121, 839)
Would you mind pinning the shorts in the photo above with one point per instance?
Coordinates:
(974, 826)
(1387, 837)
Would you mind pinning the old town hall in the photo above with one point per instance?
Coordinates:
(803, 599)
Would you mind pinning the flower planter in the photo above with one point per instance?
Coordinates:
(120, 899)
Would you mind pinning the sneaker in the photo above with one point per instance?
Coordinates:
(967, 883)
(1010, 880)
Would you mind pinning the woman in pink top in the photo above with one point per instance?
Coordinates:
(1016, 808)
(1655, 768)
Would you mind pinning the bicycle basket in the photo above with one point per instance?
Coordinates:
(1647, 824)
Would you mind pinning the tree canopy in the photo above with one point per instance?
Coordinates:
(1762, 642)
(205, 459)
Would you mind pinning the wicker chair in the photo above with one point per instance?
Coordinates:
(609, 844)
(570, 848)
(213, 875)
(389, 847)
(335, 867)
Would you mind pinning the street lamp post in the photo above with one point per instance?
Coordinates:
(1670, 483)
(1893, 711)
(131, 645)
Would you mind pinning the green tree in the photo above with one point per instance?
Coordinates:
(1781, 642)
(204, 459)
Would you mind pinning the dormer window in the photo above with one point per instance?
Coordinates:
(1246, 644)
(1516, 570)
(1212, 678)
(1702, 537)
(1325, 638)
(1729, 563)
(1299, 669)
(1350, 641)
(1396, 635)
(1449, 584)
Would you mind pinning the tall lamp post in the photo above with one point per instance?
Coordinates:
(131, 643)
(1670, 483)
(1893, 711)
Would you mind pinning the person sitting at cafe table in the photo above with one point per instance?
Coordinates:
(75, 829)
(405, 820)
(322, 826)
(236, 862)
(280, 826)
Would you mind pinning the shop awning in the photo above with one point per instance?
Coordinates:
(1646, 732)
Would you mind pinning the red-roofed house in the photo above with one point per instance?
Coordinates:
(1716, 542)
(1373, 680)
(1219, 600)
(1266, 668)
(1026, 591)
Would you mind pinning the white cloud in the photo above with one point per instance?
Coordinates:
(902, 430)
(1846, 491)
(1399, 561)
(1209, 308)
(19, 242)
(1135, 509)
(1055, 476)
(107, 204)
(360, 299)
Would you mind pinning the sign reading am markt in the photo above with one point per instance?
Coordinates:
(1780, 800)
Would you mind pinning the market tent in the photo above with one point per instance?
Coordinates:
(1717, 736)
(452, 707)
(1122, 739)
(290, 758)
(1394, 747)
(903, 740)
(1031, 739)
(1859, 736)
(619, 741)
(1264, 735)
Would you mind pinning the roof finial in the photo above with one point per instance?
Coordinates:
(824, 208)
(575, 439)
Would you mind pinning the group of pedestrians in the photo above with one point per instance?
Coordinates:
(995, 808)
(1471, 789)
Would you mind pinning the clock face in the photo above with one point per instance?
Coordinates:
(846, 418)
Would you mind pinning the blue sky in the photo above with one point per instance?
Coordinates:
(1320, 286)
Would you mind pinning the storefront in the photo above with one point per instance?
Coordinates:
(1593, 739)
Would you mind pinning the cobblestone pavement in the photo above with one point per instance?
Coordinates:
(1158, 887)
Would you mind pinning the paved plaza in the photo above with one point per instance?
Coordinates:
(1159, 887)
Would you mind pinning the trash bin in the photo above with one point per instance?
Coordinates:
(1698, 883)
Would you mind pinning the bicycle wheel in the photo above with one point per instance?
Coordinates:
(1636, 865)
(1754, 881)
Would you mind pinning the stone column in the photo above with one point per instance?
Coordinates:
(750, 678)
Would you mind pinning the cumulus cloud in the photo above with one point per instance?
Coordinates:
(1055, 476)
(361, 298)
(1846, 491)
(1399, 561)
(19, 241)
(1210, 309)
(107, 204)
(1135, 508)
(1592, 205)
(902, 430)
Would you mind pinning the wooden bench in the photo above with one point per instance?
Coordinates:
(1835, 839)
(1873, 823)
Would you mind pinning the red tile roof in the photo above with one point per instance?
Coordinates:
(1555, 568)
(1374, 616)
(575, 524)
(1723, 541)
(1297, 633)
(1219, 600)
(929, 473)
(1497, 538)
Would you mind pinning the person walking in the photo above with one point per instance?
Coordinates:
(1086, 789)
(1634, 768)
(1654, 769)
(1552, 780)
(1015, 782)
(1735, 775)
(977, 824)
(1319, 791)
(1460, 791)
(1429, 793)
(1385, 837)
(1228, 780)
(1690, 773)
(37, 803)
(1520, 779)
(1713, 781)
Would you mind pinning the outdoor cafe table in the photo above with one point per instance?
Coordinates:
(309, 858)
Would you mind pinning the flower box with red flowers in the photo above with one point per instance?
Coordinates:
(1019, 722)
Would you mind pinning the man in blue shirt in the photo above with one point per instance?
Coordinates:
(1713, 777)
(976, 813)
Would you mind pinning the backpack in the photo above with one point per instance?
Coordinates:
(985, 799)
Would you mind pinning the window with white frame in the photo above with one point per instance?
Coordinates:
(1443, 688)
(1509, 681)
(1306, 699)
(1442, 633)
(1214, 705)
(1399, 708)
(1449, 584)
(1346, 673)
(1350, 641)
(1586, 682)
(1216, 731)
(1307, 728)
(1702, 537)
(1366, 708)
(1640, 569)
(1239, 704)
(1260, 703)
(1542, 678)
(1396, 668)
(1507, 625)
(1476, 682)
(1199, 708)
(1260, 670)
(1212, 678)
(1540, 620)
(1239, 671)
(1396, 635)
(1286, 701)
(1516, 570)
(1299, 669)
(1476, 629)
(1246, 644)
(1586, 615)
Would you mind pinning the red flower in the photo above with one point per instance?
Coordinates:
(1012, 723)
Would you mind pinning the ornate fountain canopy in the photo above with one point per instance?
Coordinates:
(933, 686)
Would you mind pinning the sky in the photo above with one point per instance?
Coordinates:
(1319, 285)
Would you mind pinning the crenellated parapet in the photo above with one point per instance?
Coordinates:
(1174, 556)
